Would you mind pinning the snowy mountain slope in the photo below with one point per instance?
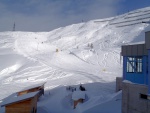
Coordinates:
(87, 53)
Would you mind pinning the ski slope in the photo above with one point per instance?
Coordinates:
(85, 53)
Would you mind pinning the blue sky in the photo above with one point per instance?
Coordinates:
(46, 15)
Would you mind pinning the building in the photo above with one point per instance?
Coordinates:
(33, 88)
(136, 77)
(78, 97)
(26, 103)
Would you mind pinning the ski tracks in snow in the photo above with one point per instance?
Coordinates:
(104, 61)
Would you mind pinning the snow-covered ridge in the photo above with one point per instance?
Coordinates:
(85, 53)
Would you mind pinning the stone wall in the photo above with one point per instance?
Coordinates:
(131, 98)
(118, 84)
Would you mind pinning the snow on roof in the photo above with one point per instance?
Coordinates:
(33, 86)
(78, 95)
(19, 98)
(135, 43)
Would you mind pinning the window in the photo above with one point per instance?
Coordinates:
(134, 64)
(144, 96)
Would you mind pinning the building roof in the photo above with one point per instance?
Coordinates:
(134, 50)
(137, 49)
(78, 95)
(33, 86)
(134, 43)
(19, 98)
(147, 39)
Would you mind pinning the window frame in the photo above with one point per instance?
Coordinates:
(134, 64)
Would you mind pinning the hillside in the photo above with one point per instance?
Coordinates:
(85, 53)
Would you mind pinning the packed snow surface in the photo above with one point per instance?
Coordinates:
(85, 53)
(14, 99)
